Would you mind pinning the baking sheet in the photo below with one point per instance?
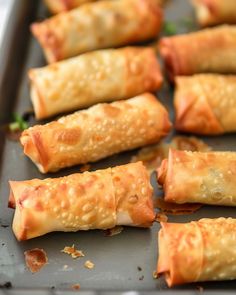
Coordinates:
(116, 258)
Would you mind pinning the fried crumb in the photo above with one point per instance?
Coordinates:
(139, 268)
(65, 266)
(141, 278)
(73, 252)
(84, 168)
(76, 286)
(113, 231)
(35, 259)
(155, 274)
(89, 264)
(161, 217)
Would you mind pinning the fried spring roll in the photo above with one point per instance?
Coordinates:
(102, 24)
(57, 6)
(93, 134)
(201, 250)
(205, 104)
(82, 201)
(195, 177)
(94, 77)
(209, 50)
(213, 12)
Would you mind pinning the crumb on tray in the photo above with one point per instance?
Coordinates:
(76, 286)
(89, 264)
(74, 253)
(161, 217)
(155, 274)
(113, 231)
(35, 259)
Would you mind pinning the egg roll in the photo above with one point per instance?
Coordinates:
(198, 251)
(199, 177)
(205, 104)
(98, 25)
(95, 133)
(94, 77)
(210, 50)
(57, 6)
(213, 12)
(91, 200)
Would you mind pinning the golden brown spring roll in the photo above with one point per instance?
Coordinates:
(205, 104)
(209, 50)
(213, 12)
(57, 6)
(195, 177)
(201, 250)
(93, 134)
(82, 201)
(94, 77)
(102, 24)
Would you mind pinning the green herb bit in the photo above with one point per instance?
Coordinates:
(169, 28)
(18, 124)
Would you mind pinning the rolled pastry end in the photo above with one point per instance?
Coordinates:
(194, 114)
(48, 41)
(163, 263)
(20, 221)
(180, 248)
(168, 259)
(161, 172)
(168, 54)
(164, 175)
(33, 148)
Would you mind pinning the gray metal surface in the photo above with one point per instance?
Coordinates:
(116, 258)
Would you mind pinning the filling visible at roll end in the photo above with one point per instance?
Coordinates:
(30, 145)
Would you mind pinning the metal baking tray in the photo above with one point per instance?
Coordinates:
(117, 259)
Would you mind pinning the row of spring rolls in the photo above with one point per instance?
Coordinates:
(102, 24)
(208, 12)
(201, 101)
(191, 252)
(120, 195)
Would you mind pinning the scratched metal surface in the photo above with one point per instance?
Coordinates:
(116, 258)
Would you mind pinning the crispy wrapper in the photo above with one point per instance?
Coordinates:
(93, 134)
(91, 200)
(201, 250)
(213, 12)
(195, 177)
(209, 50)
(94, 77)
(57, 6)
(102, 24)
(205, 104)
